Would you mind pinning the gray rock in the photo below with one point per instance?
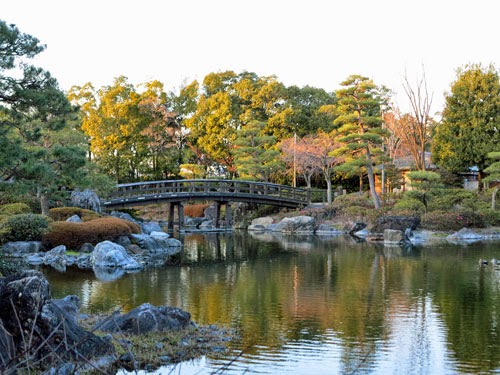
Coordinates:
(356, 227)
(87, 199)
(146, 318)
(125, 216)
(361, 233)
(84, 261)
(20, 248)
(260, 223)
(206, 224)
(49, 323)
(70, 305)
(298, 224)
(35, 259)
(86, 248)
(150, 226)
(74, 219)
(110, 254)
(123, 241)
(159, 235)
(158, 244)
(465, 234)
(56, 258)
(193, 221)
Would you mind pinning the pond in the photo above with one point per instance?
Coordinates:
(323, 305)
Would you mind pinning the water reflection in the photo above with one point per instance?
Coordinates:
(323, 304)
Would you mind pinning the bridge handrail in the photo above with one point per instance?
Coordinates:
(201, 186)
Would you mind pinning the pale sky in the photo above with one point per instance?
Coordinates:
(310, 42)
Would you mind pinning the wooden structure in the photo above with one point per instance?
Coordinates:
(222, 192)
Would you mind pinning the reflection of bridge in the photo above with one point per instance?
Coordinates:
(222, 192)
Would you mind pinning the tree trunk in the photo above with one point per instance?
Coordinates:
(494, 197)
(371, 180)
(44, 204)
(328, 190)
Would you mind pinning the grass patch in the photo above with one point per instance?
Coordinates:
(153, 350)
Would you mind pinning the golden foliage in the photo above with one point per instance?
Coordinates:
(195, 210)
(63, 213)
(74, 235)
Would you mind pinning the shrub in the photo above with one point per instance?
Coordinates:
(25, 227)
(444, 220)
(491, 217)
(195, 210)
(63, 213)
(355, 199)
(409, 206)
(356, 213)
(74, 235)
(8, 266)
(14, 209)
(445, 199)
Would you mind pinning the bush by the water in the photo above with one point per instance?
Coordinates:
(446, 199)
(445, 220)
(74, 235)
(195, 210)
(63, 213)
(25, 227)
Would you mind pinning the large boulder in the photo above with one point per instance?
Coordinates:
(465, 235)
(146, 318)
(45, 330)
(87, 199)
(157, 243)
(18, 249)
(109, 254)
(260, 223)
(56, 258)
(297, 224)
(150, 226)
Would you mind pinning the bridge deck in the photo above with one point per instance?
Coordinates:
(218, 190)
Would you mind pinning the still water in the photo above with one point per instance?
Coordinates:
(321, 305)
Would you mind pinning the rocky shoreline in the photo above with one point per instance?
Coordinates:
(38, 333)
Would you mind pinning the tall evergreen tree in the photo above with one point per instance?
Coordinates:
(360, 126)
(255, 154)
(470, 126)
(34, 114)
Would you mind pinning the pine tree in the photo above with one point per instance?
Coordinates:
(360, 127)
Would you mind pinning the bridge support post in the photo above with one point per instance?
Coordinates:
(180, 215)
(229, 216)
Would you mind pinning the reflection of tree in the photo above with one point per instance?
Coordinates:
(470, 309)
(364, 298)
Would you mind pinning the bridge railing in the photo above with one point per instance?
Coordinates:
(204, 186)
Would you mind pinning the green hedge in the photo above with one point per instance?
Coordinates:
(25, 227)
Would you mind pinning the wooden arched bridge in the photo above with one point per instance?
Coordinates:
(222, 192)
